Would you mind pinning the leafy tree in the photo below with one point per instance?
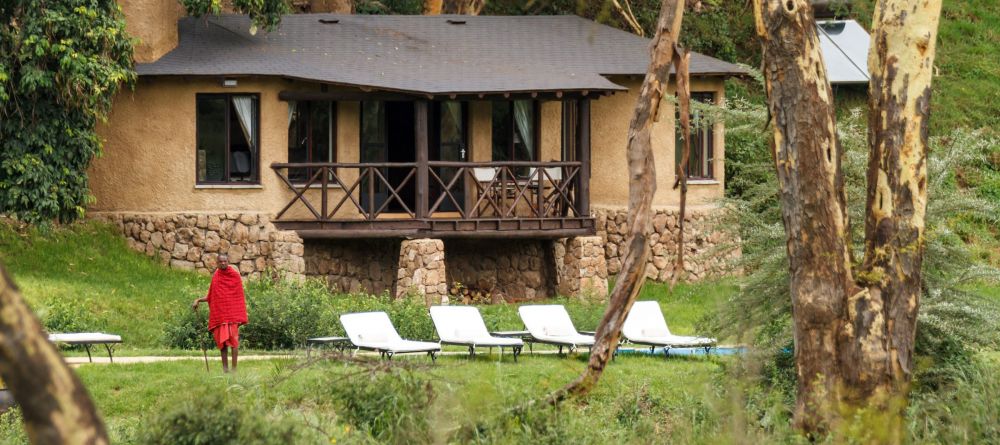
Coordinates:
(263, 13)
(61, 63)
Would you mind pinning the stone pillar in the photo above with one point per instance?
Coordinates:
(581, 267)
(422, 270)
(287, 255)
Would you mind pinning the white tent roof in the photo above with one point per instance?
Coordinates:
(844, 44)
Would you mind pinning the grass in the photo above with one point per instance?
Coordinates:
(130, 397)
(90, 265)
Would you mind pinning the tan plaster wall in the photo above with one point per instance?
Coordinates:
(148, 163)
(610, 118)
(154, 23)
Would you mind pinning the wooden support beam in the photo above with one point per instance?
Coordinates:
(421, 146)
(583, 156)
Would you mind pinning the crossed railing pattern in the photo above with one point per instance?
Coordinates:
(495, 190)
(547, 191)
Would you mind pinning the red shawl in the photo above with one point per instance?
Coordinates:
(226, 302)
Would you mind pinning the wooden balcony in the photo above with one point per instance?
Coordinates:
(436, 199)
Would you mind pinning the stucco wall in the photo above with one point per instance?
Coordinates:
(610, 117)
(148, 162)
(154, 23)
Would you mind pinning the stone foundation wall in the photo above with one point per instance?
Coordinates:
(193, 241)
(706, 253)
(505, 269)
(581, 268)
(354, 265)
(422, 270)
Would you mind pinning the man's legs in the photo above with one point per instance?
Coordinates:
(235, 356)
(225, 359)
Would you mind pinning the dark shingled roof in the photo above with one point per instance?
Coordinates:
(419, 54)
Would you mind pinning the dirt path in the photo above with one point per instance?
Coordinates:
(77, 361)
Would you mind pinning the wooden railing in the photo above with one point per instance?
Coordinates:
(450, 190)
(371, 181)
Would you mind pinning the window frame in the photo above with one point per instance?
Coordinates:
(536, 130)
(705, 138)
(309, 135)
(254, 159)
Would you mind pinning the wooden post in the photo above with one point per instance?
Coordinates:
(583, 155)
(420, 139)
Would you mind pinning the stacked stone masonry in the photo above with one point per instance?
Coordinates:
(193, 241)
(422, 271)
(354, 265)
(507, 270)
(709, 249)
(581, 267)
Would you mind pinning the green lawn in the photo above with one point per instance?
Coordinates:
(677, 393)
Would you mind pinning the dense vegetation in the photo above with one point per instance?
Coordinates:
(61, 63)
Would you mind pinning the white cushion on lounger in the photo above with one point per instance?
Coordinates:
(551, 323)
(85, 337)
(645, 325)
(374, 330)
(464, 325)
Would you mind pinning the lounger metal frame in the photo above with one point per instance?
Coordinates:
(515, 349)
(108, 344)
(384, 353)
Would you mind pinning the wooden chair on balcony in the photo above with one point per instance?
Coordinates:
(546, 184)
(490, 189)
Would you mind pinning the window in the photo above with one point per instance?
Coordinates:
(373, 132)
(702, 141)
(515, 132)
(227, 131)
(311, 136)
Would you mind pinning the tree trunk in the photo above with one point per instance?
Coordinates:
(901, 60)
(853, 341)
(55, 404)
(642, 186)
(807, 158)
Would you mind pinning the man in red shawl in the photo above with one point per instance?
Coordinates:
(227, 309)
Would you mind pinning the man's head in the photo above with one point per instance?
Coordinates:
(222, 262)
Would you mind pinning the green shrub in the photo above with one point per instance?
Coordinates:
(69, 316)
(391, 407)
(212, 419)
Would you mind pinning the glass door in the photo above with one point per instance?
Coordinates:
(448, 143)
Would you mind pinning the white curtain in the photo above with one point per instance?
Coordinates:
(291, 111)
(523, 117)
(244, 106)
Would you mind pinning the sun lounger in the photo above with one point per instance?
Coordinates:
(373, 331)
(464, 326)
(645, 325)
(88, 339)
(551, 324)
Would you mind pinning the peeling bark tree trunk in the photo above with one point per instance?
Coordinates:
(853, 341)
(642, 186)
(901, 60)
(54, 403)
(814, 211)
